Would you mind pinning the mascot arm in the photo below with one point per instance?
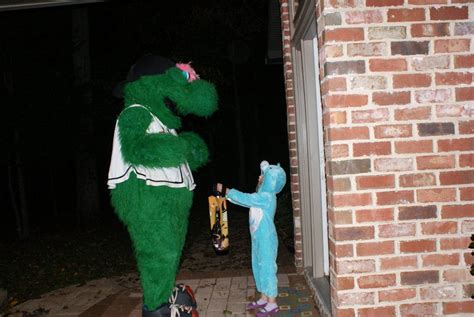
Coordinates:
(197, 154)
(259, 200)
(148, 149)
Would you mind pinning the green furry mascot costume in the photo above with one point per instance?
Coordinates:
(150, 172)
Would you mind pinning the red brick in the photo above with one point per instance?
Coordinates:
(372, 148)
(453, 111)
(419, 277)
(387, 65)
(467, 193)
(433, 96)
(418, 246)
(456, 275)
(431, 62)
(412, 113)
(363, 17)
(367, 49)
(436, 195)
(377, 281)
(332, 51)
(457, 211)
(333, 84)
(425, 2)
(440, 259)
(439, 227)
(349, 312)
(396, 295)
(338, 184)
(405, 15)
(452, 45)
(466, 127)
(397, 230)
(457, 177)
(395, 197)
(344, 283)
(353, 233)
(466, 144)
(346, 200)
(393, 164)
(391, 98)
(399, 262)
(449, 13)
(466, 160)
(375, 248)
(358, 298)
(375, 181)
(341, 3)
(377, 311)
(419, 309)
(453, 78)
(435, 162)
(341, 250)
(418, 180)
(411, 80)
(339, 150)
(340, 217)
(355, 133)
(366, 116)
(464, 307)
(384, 3)
(464, 93)
(430, 29)
(344, 35)
(464, 61)
(393, 131)
(438, 292)
(355, 266)
(435, 128)
(338, 101)
(374, 215)
(424, 146)
(334, 117)
(417, 212)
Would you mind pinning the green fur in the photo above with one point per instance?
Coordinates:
(157, 217)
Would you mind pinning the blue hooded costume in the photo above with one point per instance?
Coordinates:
(262, 206)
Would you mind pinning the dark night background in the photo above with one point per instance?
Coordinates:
(58, 123)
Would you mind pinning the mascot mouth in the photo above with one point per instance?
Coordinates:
(171, 105)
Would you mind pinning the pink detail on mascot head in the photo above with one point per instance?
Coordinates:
(192, 75)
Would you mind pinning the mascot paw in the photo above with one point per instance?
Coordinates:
(162, 311)
(182, 295)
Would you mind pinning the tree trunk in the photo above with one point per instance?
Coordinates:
(18, 192)
(87, 191)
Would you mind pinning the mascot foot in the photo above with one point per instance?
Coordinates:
(182, 295)
(162, 311)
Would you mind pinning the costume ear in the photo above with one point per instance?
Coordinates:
(178, 75)
(263, 166)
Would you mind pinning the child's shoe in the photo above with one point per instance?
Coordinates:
(256, 305)
(268, 310)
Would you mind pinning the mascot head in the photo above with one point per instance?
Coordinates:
(168, 89)
(274, 178)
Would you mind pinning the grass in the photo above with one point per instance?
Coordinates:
(42, 264)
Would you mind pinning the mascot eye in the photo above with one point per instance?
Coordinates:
(186, 75)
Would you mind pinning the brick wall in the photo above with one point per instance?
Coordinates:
(398, 103)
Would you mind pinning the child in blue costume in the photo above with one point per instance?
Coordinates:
(262, 206)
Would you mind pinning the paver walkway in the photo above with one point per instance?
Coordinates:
(122, 297)
(222, 284)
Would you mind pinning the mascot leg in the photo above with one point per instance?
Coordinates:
(157, 220)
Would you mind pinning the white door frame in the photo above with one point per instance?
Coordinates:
(309, 126)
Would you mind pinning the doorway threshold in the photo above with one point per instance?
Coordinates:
(321, 292)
